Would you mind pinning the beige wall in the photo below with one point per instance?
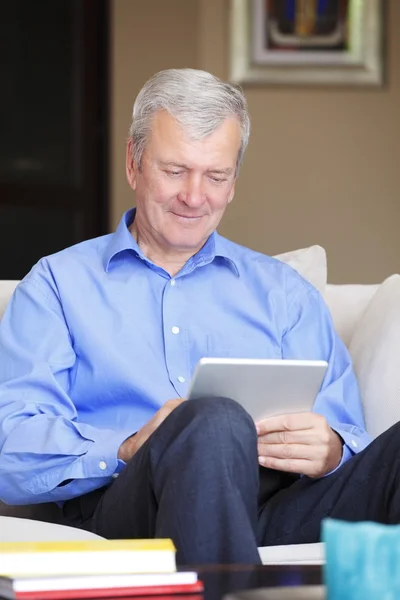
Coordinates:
(323, 165)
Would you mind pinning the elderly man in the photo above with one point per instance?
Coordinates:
(99, 342)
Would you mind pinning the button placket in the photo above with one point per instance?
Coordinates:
(174, 337)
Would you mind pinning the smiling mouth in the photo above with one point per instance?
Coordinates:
(189, 217)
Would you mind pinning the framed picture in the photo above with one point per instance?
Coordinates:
(335, 42)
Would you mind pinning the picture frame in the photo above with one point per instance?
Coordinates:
(310, 42)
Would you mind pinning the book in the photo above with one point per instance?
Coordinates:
(92, 557)
(296, 554)
(99, 586)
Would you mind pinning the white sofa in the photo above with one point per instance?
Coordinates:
(367, 317)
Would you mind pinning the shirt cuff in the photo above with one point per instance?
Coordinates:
(91, 470)
(354, 441)
(101, 459)
(346, 454)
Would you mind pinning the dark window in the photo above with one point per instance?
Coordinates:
(53, 117)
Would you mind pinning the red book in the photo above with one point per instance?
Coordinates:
(162, 585)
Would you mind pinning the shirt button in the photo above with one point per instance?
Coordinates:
(354, 444)
(103, 465)
(175, 330)
(114, 475)
(181, 379)
(172, 282)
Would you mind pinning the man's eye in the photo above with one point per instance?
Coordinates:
(217, 179)
(174, 173)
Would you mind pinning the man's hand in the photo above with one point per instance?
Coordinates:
(299, 443)
(131, 445)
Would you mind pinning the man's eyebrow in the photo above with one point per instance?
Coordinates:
(174, 164)
(226, 171)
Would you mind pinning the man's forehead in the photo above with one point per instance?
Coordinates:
(168, 145)
(163, 122)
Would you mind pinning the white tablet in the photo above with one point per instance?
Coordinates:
(264, 387)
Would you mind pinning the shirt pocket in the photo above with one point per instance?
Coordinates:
(240, 346)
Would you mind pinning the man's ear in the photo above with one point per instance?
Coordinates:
(131, 170)
(232, 192)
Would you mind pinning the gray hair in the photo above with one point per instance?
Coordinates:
(198, 100)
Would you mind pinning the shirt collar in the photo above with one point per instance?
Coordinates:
(223, 248)
(122, 240)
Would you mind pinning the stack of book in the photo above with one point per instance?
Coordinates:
(92, 569)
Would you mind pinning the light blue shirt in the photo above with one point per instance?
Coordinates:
(97, 337)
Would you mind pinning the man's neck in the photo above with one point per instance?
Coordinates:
(171, 262)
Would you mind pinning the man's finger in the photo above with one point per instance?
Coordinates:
(289, 422)
(286, 451)
(288, 465)
(300, 436)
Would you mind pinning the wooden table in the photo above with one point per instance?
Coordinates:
(224, 579)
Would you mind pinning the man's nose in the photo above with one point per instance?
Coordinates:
(192, 193)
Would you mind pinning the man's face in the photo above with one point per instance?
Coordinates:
(183, 186)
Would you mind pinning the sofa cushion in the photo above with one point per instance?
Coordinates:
(13, 529)
(347, 304)
(6, 290)
(310, 263)
(375, 349)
